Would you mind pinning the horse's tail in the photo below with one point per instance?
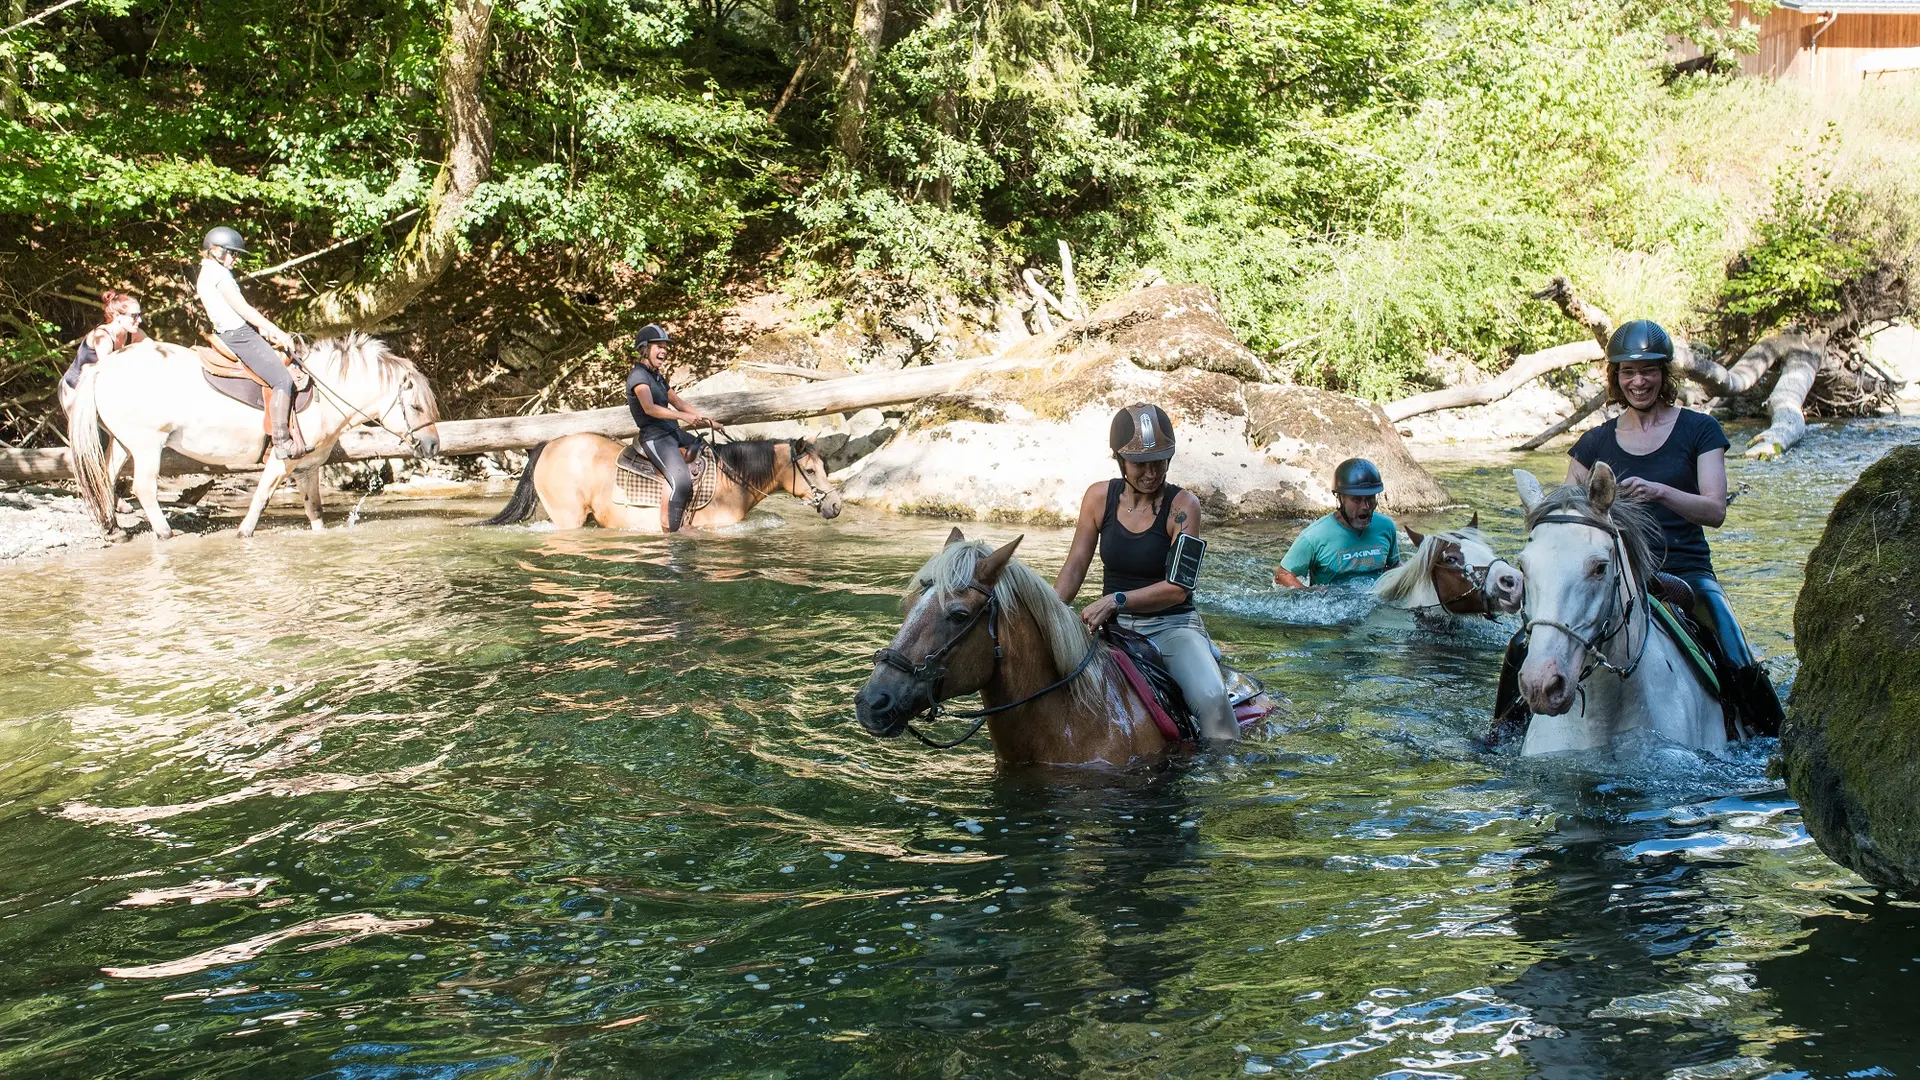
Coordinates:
(521, 506)
(89, 453)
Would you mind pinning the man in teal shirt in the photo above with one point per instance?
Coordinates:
(1351, 542)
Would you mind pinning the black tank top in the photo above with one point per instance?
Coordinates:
(1131, 560)
(81, 359)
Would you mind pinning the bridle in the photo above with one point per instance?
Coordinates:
(1476, 580)
(930, 672)
(406, 437)
(795, 448)
(1592, 647)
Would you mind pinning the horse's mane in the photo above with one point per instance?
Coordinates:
(356, 350)
(1402, 582)
(1019, 590)
(750, 461)
(1633, 520)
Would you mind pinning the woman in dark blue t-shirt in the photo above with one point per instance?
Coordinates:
(1675, 461)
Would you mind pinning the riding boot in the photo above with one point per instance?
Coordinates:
(1511, 716)
(285, 446)
(1743, 682)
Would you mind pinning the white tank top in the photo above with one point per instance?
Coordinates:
(212, 276)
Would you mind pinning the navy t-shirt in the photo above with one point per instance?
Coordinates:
(644, 380)
(1675, 465)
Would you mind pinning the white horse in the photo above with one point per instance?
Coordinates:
(1452, 573)
(151, 397)
(1598, 663)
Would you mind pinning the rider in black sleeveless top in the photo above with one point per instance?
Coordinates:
(1134, 588)
(658, 412)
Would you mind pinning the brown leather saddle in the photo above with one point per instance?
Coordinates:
(637, 483)
(225, 373)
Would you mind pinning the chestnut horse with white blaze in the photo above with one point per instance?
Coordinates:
(572, 478)
(150, 397)
(1453, 573)
(1598, 663)
(980, 621)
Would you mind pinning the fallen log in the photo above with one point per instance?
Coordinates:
(463, 437)
(1587, 408)
(1525, 369)
(1802, 356)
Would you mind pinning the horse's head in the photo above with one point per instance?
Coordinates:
(1469, 578)
(383, 387)
(947, 646)
(1585, 556)
(808, 481)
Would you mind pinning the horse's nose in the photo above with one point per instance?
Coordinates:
(429, 444)
(870, 706)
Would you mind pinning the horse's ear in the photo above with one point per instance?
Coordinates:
(1601, 488)
(955, 537)
(987, 574)
(1531, 493)
(1474, 521)
(1413, 534)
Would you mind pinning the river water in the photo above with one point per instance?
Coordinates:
(420, 801)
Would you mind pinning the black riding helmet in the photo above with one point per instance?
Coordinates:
(1357, 476)
(1142, 432)
(1640, 340)
(224, 237)
(651, 333)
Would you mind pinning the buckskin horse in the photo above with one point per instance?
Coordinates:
(1453, 573)
(152, 396)
(1599, 664)
(573, 478)
(979, 620)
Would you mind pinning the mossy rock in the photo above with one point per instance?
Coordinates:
(1851, 744)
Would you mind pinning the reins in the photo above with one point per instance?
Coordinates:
(795, 447)
(1593, 647)
(406, 437)
(929, 672)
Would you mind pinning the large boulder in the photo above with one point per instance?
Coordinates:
(1023, 444)
(1851, 745)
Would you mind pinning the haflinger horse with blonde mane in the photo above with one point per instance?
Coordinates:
(151, 397)
(1453, 574)
(980, 621)
(572, 479)
(1599, 664)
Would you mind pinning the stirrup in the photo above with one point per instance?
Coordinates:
(286, 449)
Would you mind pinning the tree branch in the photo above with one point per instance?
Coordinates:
(61, 6)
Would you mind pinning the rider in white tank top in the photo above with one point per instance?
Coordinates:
(212, 276)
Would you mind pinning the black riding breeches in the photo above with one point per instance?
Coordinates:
(664, 452)
(1715, 616)
(1742, 680)
(262, 360)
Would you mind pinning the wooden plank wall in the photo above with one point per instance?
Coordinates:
(1831, 68)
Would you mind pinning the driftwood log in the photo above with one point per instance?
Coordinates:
(1525, 369)
(461, 437)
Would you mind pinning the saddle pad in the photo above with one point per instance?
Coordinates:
(1684, 637)
(252, 394)
(637, 483)
(1145, 692)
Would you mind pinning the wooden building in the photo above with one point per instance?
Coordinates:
(1837, 46)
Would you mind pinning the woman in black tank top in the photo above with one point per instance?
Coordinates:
(1131, 521)
(121, 328)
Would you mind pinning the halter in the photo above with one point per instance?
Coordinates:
(1592, 647)
(930, 672)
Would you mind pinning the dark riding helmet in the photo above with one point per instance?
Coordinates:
(224, 237)
(1142, 432)
(1641, 339)
(651, 333)
(1357, 476)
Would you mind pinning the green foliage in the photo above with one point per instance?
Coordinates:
(1801, 255)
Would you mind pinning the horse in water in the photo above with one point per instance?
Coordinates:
(573, 478)
(1599, 665)
(1452, 573)
(978, 620)
(151, 397)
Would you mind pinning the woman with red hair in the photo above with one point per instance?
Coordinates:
(121, 328)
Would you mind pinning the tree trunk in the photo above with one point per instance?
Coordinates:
(1801, 356)
(436, 238)
(1525, 369)
(10, 66)
(1587, 408)
(856, 78)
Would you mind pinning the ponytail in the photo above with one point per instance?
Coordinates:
(117, 303)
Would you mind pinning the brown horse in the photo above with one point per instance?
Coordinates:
(572, 477)
(979, 620)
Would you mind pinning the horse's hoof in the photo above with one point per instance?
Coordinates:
(163, 534)
(319, 526)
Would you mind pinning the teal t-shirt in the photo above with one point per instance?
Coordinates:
(1327, 551)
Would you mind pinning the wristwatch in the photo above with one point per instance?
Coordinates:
(1119, 601)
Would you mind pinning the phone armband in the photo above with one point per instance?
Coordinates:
(1183, 562)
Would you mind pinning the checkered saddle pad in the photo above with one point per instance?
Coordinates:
(636, 483)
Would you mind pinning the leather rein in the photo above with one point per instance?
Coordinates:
(1592, 647)
(931, 671)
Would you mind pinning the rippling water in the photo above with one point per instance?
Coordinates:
(417, 801)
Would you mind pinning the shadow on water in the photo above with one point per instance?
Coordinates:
(1845, 992)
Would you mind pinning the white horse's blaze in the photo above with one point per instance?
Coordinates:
(1577, 577)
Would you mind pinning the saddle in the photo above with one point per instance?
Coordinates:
(1145, 669)
(637, 483)
(225, 373)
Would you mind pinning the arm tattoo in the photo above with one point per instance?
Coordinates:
(1179, 517)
